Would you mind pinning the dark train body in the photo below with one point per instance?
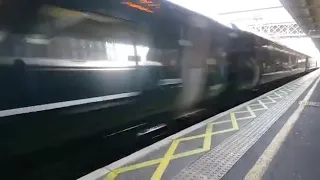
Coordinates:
(134, 60)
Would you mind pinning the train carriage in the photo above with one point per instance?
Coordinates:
(136, 59)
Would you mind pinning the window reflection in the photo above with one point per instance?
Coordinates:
(122, 52)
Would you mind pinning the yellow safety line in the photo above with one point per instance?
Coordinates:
(225, 130)
(277, 94)
(203, 135)
(266, 99)
(287, 89)
(253, 115)
(234, 121)
(272, 99)
(268, 102)
(263, 104)
(283, 91)
(112, 175)
(254, 104)
(192, 137)
(165, 161)
(220, 122)
(207, 138)
(241, 111)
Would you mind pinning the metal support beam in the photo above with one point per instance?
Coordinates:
(251, 10)
(290, 29)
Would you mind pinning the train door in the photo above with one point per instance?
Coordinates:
(157, 42)
(244, 61)
(193, 62)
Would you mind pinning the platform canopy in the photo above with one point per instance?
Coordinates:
(307, 14)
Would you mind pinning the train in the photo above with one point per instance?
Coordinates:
(73, 69)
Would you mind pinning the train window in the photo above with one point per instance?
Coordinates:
(74, 38)
(155, 45)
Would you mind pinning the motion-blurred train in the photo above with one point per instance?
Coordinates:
(71, 69)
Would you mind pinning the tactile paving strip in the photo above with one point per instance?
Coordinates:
(218, 161)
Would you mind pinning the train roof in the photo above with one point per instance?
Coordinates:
(279, 46)
(85, 19)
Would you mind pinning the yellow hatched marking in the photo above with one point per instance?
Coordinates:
(242, 111)
(289, 89)
(244, 118)
(271, 99)
(165, 161)
(268, 101)
(234, 121)
(278, 94)
(203, 135)
(192, 137)
(253, 115)
(254, 104)
(112, 175)
(283, 91)
(207, 139)
(221, 122)
(157, 175)
(263, 104)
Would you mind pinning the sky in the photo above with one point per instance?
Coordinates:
(220, 11)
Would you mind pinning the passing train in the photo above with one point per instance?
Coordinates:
(72, 69)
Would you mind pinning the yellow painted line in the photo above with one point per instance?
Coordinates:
(254, 104)
(244, 118)
(170, 153)
(165, 161)
(226, 130)
(203, 135)
(287, 89)
(260, 109)
(189, 153)
(253, 115)
(275, 97)
(207, 139)
(278, 94)
(192, 137)
(271, 99)
(112, 175)
(220, 122)
(239, 112)
(284, 91)
(234, 121)
(262, 164)
(263, 104)
(268, 101)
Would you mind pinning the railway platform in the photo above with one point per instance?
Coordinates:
(274, 136)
